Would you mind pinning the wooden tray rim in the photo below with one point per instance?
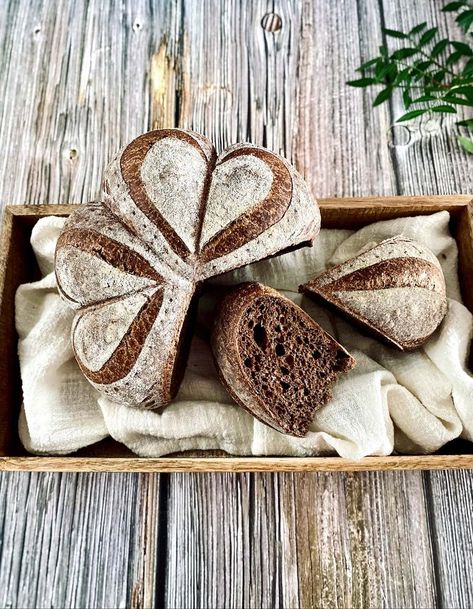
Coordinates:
(234, 464)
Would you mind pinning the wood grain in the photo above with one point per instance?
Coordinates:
(182, 463)
(300, 541)
(77, 540)
(75, 87)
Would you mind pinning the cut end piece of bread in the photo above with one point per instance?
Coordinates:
(274, 359)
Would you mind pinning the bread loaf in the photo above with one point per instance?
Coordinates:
(173, 215)
(396, 290)
(274, 359)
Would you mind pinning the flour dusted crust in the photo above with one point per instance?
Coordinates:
(396, 290)
(173, 215)
(274, 359)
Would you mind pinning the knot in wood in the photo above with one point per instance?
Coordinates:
(271, 22)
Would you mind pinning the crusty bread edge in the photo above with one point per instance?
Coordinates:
(224, 343)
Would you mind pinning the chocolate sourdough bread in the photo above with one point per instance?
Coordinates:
(396, 290)
(173, 215)
(274, 359)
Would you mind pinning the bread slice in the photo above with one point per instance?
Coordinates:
(395, 290)
(173, 215)
(274, 359)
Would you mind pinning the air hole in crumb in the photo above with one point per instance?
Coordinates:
(284, 385)
(280, 351)
(251, 324)
(260, 337)
(316, 354)
(290, 360)
(306, 391)
(248, 362)
(284, 370)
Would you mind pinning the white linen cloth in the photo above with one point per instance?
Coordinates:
(408, 402)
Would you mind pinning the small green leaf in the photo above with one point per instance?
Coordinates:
(406, 98)
(381, 70)
(444, 108)
(466, 123)
(468, 69)
(465, 19)
(439, 47)
(427, 36)
(367, 64)
(383, 96)
(439, 76)
(383, 51)
(462, 47)
(466, 90)
(404, 53)
(418, 28)
(466, 143)
(452, 6)
(412, 114)
(459, 101)
(423, 99)
(394, 33)
(361, 82)
(423, 65)
(454, 57)
(403, 76)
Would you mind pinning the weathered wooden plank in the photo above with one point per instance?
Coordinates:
(290, 540)
(452, 539)
(77, 540)
(429, 161)
(75, 86)
(295, 540)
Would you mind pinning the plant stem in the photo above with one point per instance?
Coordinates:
(438, 64)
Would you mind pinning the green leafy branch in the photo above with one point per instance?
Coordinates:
(433, 74)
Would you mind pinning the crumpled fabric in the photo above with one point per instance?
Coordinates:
(411, 403)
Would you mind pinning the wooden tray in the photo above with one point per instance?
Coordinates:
(18, 265)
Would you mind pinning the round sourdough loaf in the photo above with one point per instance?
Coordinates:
(173, 214)
(396, 290)
(274, 359)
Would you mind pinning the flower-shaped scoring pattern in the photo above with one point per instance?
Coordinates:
(173, 215)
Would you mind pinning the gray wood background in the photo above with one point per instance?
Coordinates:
(78, 80)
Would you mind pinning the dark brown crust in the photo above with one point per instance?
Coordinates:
(177, 365)
(402, 273)
(125, 355)
(256, 221)
(237, 400)
(112, 252)
(130, 164)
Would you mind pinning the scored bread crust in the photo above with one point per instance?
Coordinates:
(226, 348)
(173, 215)
(395, 290)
